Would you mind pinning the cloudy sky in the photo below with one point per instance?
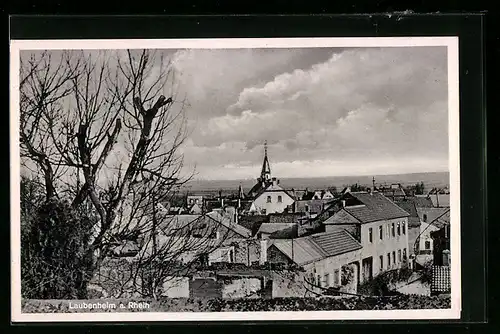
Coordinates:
(324, 112)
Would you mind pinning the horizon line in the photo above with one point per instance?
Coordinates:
(319, 177)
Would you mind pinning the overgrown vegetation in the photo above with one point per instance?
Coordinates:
(55, 261)
(402, 302)
(381, 285)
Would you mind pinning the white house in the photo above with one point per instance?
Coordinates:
(379, 225)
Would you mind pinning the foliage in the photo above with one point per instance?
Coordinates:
(347, 275)
(400, 302)
(381, 284)
(358, 187)
(55, 260)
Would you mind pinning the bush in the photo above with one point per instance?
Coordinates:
(55, 260)
(381, 284)
(402, 302)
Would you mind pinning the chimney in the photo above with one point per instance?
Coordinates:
(263, 251)
(275, 181)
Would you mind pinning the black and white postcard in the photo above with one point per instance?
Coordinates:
(235, 179)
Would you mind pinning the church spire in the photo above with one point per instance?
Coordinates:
(265, 174)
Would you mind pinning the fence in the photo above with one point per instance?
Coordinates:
(441, 280)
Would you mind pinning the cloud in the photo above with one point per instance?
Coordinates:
(388, 103)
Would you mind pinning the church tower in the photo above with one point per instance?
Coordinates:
(265, 174)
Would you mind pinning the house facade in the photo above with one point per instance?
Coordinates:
(379, 225)
(322, 255)
(432, 220)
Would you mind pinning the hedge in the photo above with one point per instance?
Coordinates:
(252, 305)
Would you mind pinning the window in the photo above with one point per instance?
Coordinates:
(280, 199)
(399, 255)
(370, 234)
(399, 228)
(231, 255)
(326, 280)
(404, 254)
(394, 257)
(393, 230)
(318, 280)
(425, 217)
(404, 228)
(381, 232)
(427, 244)
(381, 262)
(388, 228)
(388, 260)
(336, 273)
(307, 208)
(268, 199)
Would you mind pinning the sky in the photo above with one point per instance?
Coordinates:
(322, 111)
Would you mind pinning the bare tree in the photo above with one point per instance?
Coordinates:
(96, 127)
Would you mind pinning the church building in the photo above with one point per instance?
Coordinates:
(268, 196)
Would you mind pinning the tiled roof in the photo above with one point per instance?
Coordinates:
(318, 246)
(375, 207)
(303, 250)
(336, 242)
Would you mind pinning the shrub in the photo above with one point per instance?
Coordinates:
(55, 260)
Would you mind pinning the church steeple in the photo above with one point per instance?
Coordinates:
(265, 174)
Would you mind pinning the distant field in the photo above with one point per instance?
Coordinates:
(430, 180)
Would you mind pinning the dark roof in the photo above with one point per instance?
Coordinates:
(252, 222)
(374, 207)
(317, 247)
(410, 207)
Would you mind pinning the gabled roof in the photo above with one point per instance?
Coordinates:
(272, 188)
(374, 207)
(317, 247)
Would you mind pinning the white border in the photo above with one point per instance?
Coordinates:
(454, 162)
